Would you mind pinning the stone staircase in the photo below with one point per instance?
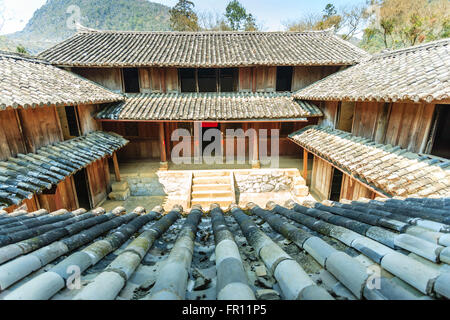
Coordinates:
(210, 187)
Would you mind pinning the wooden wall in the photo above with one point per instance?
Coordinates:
(305, 75)
(352, 189)
(11, 139)
(251, 79)
(321, 179)
(406, 125)
(143, 137)
(40, 127)
(110, 78)
(99, 180)
(409, 125)
(86, 118)
(62, 196)
(153, 80)
(27, 130)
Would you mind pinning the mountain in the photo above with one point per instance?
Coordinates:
(49, 24)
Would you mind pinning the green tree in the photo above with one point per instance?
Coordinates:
(183, 16)
(238, 18)
(21, 49)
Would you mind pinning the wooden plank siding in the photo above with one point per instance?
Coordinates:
(11, 138)
(61, 196)
(110, 78)
(407, 125)
(303, 76)
(98, 181)
(144, 139)
(321, 179)
(40, 127)
(86, 118)
(352, 189)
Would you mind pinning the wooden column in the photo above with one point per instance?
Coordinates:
(305, 164)
(162, 146)
(255, 161)
(116, 167)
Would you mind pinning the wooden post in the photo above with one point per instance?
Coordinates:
(116, 167)
(162, 147)
(305, 164)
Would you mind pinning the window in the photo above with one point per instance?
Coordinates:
(228, 80)
(287, 128)
(188, 80)
(131, 80)
(207, 80)
(284, 78)
(441, 145)
(72, 121)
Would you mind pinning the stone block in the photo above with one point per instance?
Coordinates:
(120, 186)
(261, 271)
(301, 191)
(120, 196)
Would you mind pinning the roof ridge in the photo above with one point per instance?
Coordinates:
(84, 31)
(21, 56)
(423, 46)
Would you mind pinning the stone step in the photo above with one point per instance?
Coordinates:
(211, 180)
(198, 174)
(212, 194)
(208, 187)
(206, 203)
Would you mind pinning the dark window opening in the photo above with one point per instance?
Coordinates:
(336, 184)
(287, 128)
(228, 80)
(207, 80)
(441, 144)
(284, 78)
(81, 186)
(72, 121)
(51, 191)
(131, 80)
(131, 129)
(188, 80)
(205, 128)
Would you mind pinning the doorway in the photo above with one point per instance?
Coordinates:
(441, 145)
(82, 188)
(336, 184)
(206, 126)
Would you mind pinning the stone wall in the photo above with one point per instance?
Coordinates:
(261, 181)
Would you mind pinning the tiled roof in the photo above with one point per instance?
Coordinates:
(209, 106)
(203, 49)
(31, 82)
(420, 73)
(388, 168)
(25, 175)
(333, 249)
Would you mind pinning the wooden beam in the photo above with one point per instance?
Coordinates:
(305, 164)
(116, 167)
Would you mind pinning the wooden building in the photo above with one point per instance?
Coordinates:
(201, 80)
(393, 108)
(52, 152)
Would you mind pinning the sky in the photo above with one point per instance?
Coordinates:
(270, 14)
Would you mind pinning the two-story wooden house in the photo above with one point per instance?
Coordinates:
(52, 152)
(196, 81)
